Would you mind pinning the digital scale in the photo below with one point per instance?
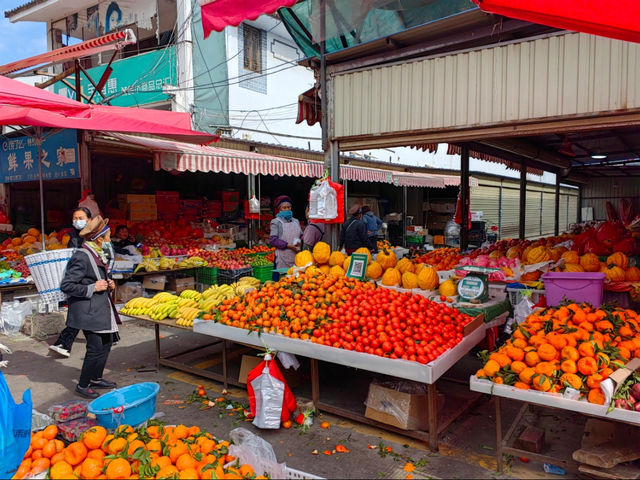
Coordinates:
(474, 287)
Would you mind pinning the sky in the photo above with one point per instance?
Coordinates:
(21, 39)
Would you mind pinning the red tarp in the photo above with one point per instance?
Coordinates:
(617, 19)
(217, 14)
(22, 104)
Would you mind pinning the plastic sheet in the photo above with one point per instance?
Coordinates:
(288, 360)
(257, 452)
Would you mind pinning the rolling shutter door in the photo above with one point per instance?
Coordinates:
(510, 213)
(486, 199)
(573, 209)
(548, 213)
(532, 219)
(563, 213)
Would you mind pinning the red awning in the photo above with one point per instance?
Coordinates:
(90, 47)
(619, 19)
(217, 14)
(183, 157)
(25, 105)
(364, 174)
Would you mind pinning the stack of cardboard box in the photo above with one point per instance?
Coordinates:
(138, 207)
(168, 203)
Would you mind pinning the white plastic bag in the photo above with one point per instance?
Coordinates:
(254, 205)
(257, 452)
(323, 202)
(288, 360)
(269, 392)
(523, 309)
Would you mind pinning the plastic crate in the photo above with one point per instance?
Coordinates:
(515, 295)
(264, 273)
(226, 277)
(207, 275)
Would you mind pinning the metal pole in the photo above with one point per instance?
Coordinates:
(556, 219)
(523, 200)
(404, 216)
(39, 144)
(464, 198)
(251, 224)
(579, 219)
(78, 87)
(500, 212)
(323, 78)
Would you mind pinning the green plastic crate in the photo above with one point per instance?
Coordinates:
(208, 275)
(263, 273)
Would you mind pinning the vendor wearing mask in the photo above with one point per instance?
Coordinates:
(285, 233)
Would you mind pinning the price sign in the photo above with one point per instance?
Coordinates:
(358, 266)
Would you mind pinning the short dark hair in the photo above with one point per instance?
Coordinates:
(119, 228)
(82, 209)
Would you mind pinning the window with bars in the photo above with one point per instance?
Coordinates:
(252, 40)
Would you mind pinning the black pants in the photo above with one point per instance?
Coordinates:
(98, 348)
(67, 337)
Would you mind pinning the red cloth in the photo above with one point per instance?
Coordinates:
(25, 105)
(217, 14)
(608, 19)
(289, 401)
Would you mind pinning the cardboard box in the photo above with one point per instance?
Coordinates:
(167, 194)
(249, 362)
(143, 216)
(180, 284)
(531, 439)
(385, 405)
(130, 198)
(190, 203)
(123, 266)
(127, 291)
(443, 207)
(154, 282)
(142, 208)
(230, 206)
(229, 196)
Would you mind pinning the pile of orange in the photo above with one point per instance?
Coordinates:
(441, 258)
(574, 345)
(156, 451)
(292, 307)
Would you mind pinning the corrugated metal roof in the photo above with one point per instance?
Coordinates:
(23, 7)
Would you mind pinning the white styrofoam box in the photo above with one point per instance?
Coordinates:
(444, 275)
(6, 227)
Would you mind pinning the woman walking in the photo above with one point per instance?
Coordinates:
(87, 285)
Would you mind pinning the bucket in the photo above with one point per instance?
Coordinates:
(131, 405)
(576, 286)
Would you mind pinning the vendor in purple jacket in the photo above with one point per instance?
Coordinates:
(285, 233)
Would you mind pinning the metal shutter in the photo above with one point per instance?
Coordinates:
(563, 218)
(510, 213)
(486, 199)
(573, 209)
(532, 222)
(548, 213)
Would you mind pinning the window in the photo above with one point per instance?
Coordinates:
(252, 40)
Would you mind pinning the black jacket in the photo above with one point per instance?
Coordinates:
(354, 234)
(88, 310)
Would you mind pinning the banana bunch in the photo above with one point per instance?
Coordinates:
(192, 262)
(186, 302)
(186, 315)
(167, 263)
(148, 265)
(165, 297)
(245, 284)
(164, 310)
(214, 295)
(139, 306)
(191, 295)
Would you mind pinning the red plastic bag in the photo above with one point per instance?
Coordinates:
(458, 216)
(288, 402)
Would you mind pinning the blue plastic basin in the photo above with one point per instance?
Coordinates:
(138, 402)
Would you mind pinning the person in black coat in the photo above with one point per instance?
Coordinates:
(354, 231)
(87, 286)
(81, 216)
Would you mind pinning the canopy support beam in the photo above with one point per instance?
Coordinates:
(523, 200)
(556, 218)
(464, 197)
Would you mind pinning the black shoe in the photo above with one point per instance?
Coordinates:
(60, 350)
(86, 392)
(102, 383)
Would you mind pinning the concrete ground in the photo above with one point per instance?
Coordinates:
(467, 447)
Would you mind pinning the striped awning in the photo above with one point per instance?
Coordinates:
(364, 174)
(183, 157)
(110, 41)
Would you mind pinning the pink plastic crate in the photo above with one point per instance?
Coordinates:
(576, 286)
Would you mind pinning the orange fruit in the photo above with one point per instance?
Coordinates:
(194, 430)
(118, 469)
(167, 472)
(94, 437)
(189, 474)
(38, 443)
(185, 461)
(61, 471)
(50, 432)
(161, 462)
(181, 432)
(49, 449)
(91, 468)
(40, 465)
(58, 457)
(23, 469)
(75, 453)
(36, 454)
(133, 446)
(97, 454)
(176, 451)
(117, 445)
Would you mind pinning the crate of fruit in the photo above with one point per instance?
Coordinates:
(264, 273)
(207, 275)
(226, 277)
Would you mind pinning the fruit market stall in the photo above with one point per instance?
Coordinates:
(573, 357)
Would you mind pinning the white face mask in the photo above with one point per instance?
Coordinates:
(79, 224)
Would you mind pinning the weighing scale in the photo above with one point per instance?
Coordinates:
(474, 287)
